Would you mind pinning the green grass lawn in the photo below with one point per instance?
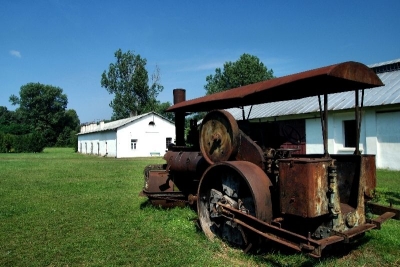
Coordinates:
(59, 208)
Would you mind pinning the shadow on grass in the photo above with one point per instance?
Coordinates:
(387, 197)
(165, 206)
(278, 255)
(270, 253)
(393, 197)
(146, 204)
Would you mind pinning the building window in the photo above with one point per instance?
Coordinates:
(91, 148)
(133, 144)
(152, 123)
(350, 131)
(80, 147)
(168, 141)
(85, 148)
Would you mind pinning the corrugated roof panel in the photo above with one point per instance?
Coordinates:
(384, 95)
(341, 101)
(381, 95)
(392, 92)
(384, 63)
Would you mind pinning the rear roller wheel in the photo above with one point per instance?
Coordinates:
(243, 186)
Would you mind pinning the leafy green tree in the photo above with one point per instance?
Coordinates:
(6, 116)
(68, 128)
(64, 138)
(42, 107)
(161, 108)
(8, 141)
(2, 147)
(128, 80)
(11, 122)
(36, 142)
(246, 70)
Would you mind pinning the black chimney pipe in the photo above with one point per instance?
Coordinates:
(179, 96)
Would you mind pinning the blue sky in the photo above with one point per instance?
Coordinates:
(69, 43)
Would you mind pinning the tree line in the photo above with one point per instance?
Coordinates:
(134, 94)
(43, 120)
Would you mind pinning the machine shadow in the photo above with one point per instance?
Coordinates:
(392, 197)
(265, 251)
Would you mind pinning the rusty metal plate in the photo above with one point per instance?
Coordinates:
(158, 181)
(368, 174)
(303, 186)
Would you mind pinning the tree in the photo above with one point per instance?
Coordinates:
(12, 123)
(128, 80)
(8, 141)
(68, 127)
(246, 70)
(42, 107)
(160, 108)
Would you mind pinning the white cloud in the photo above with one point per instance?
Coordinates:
(211, 66)
(15, 53)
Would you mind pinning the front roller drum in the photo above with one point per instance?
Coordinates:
(240, 184)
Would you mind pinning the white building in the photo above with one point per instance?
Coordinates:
(296, 123)
(140, 136)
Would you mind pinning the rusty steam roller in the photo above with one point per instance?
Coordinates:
(245, 192)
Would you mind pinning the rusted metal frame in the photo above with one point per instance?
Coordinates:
(249, 151)
(167, 200)
(248, 115)
(164, 195)
(324, 122)
(380, 209)
(299, 242)
(358, 110)
(381, 219)
(355, 231)
(268, 236)
(244, 115)
(361, 107)
(279, 235)
(357, 117)
(326, 153)
(321, 114)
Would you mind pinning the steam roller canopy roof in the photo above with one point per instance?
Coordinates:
(336, 78)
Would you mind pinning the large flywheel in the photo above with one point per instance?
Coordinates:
(219, 136)
(243, 186)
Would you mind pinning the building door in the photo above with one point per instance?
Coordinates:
(388, 139)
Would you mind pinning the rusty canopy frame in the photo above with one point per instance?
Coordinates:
(347, 76)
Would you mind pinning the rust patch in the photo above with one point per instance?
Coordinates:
(303, 186)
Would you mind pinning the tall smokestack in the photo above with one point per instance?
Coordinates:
(179, 96)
